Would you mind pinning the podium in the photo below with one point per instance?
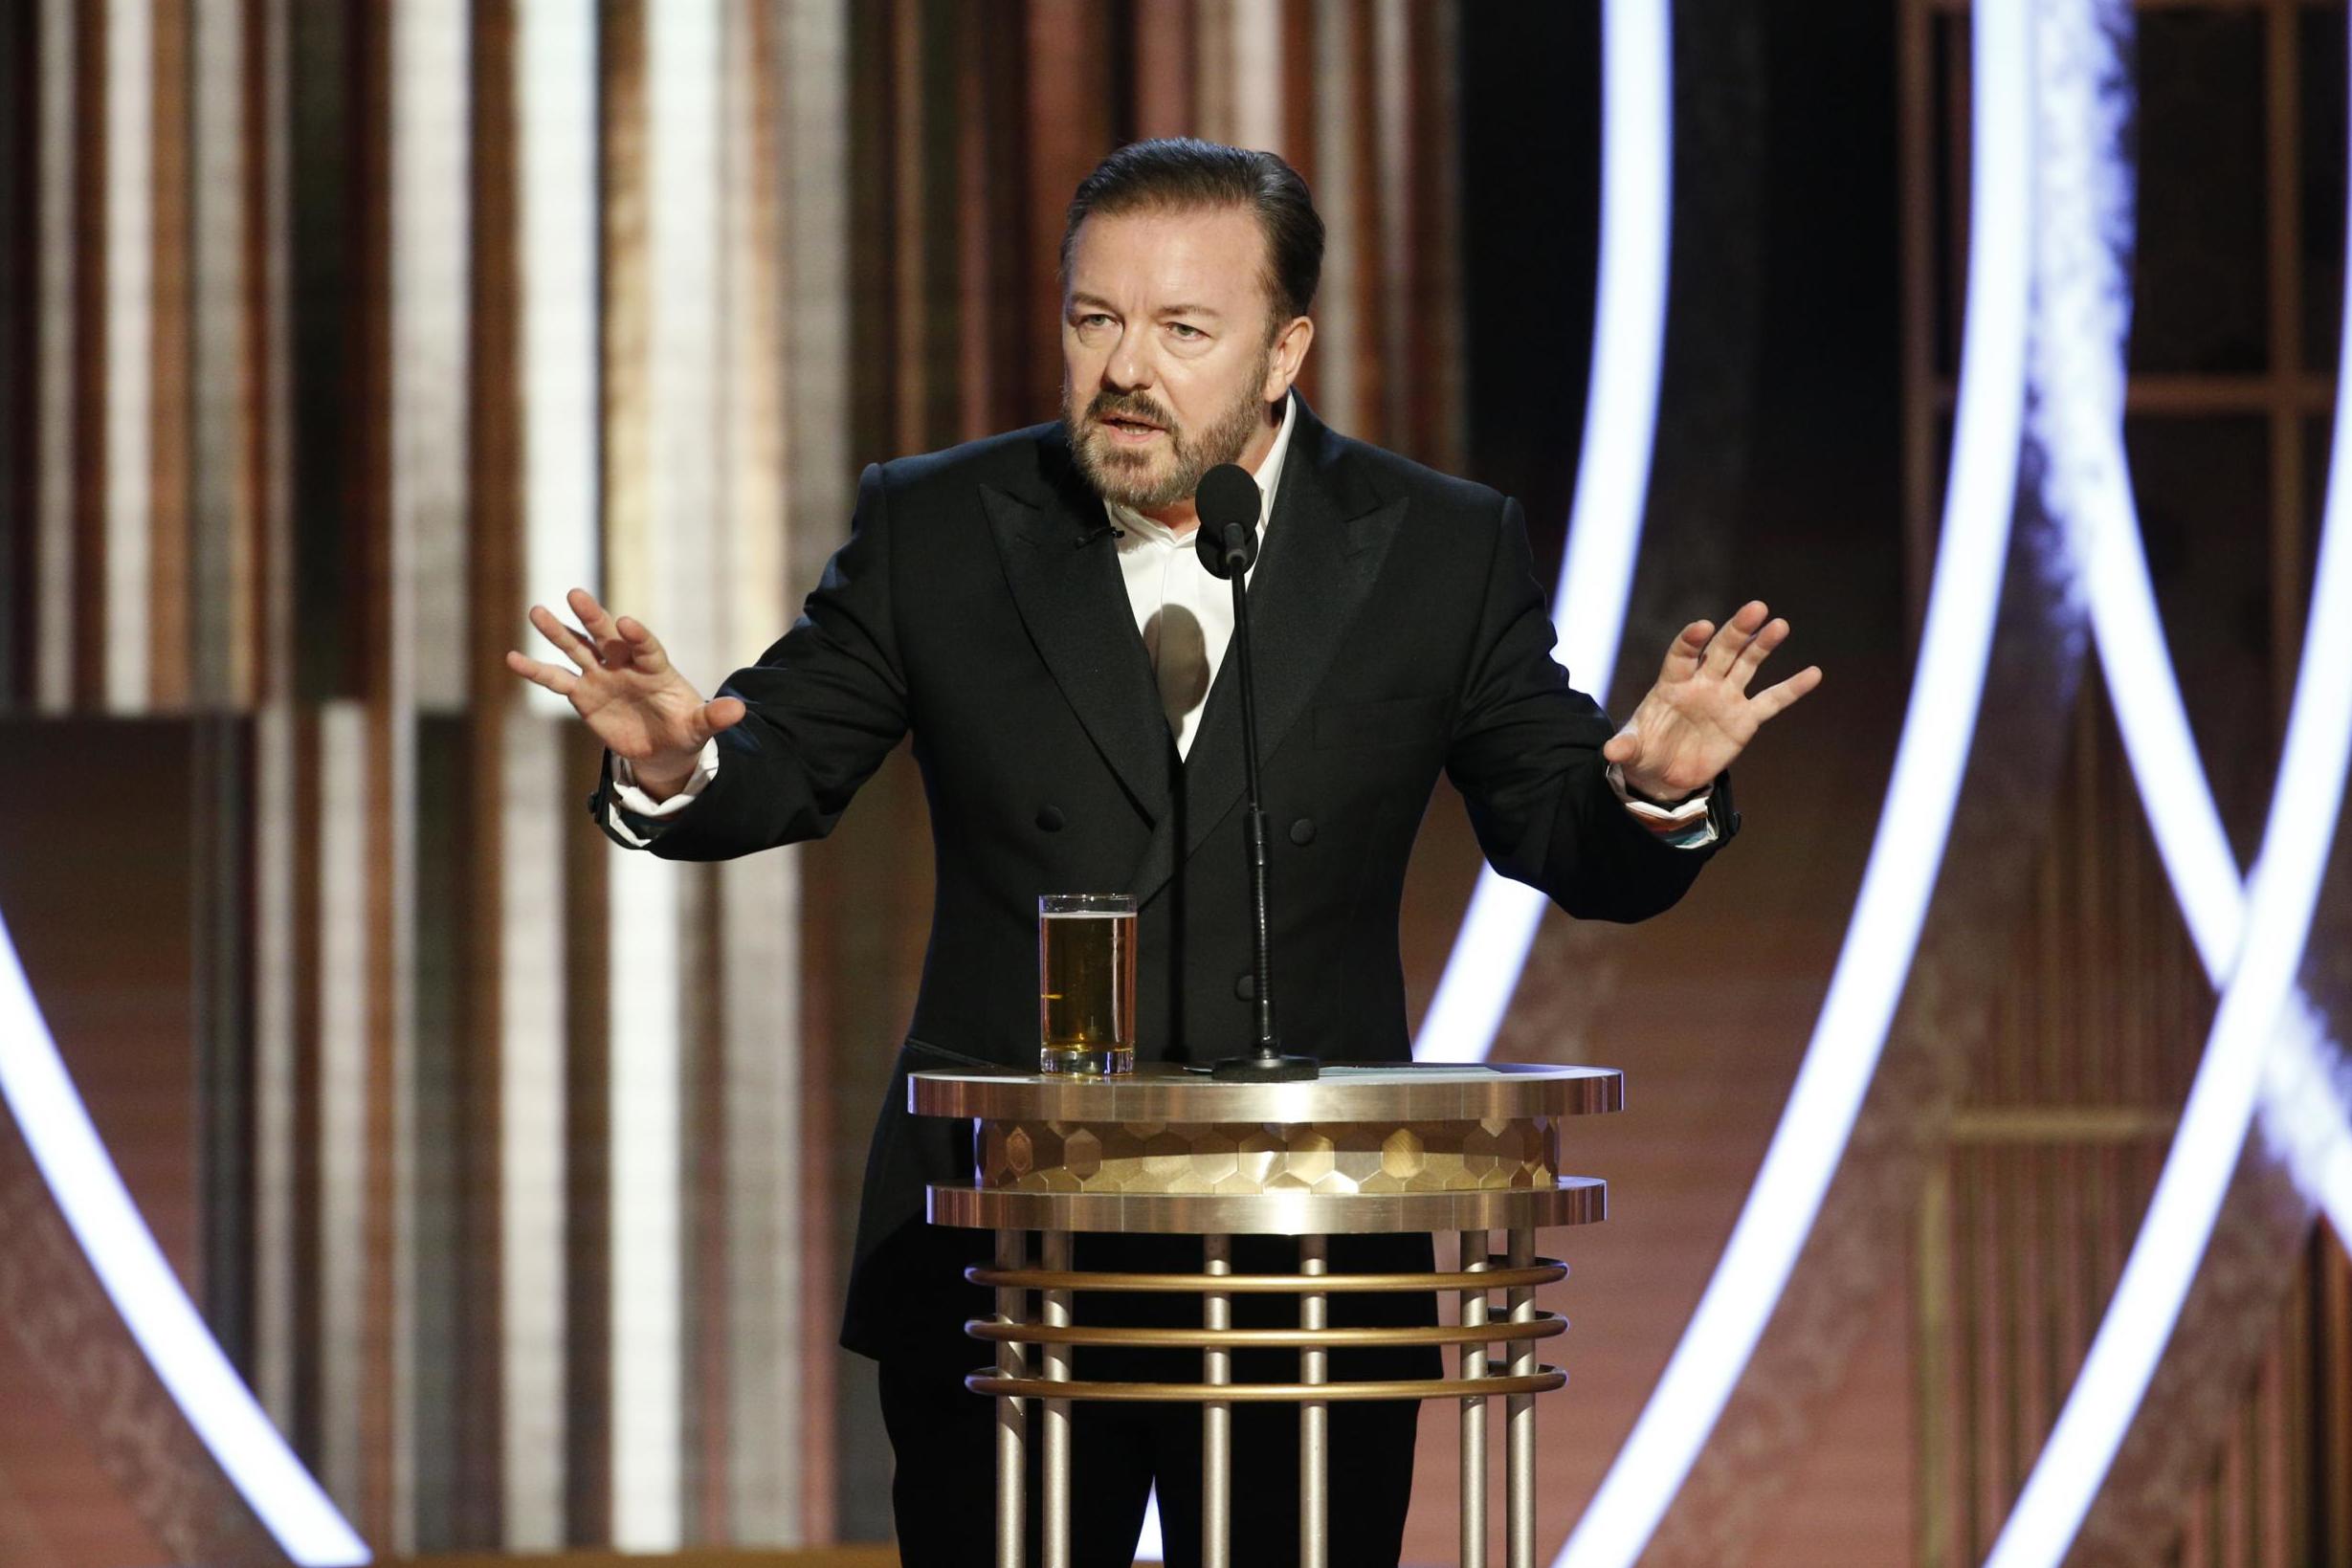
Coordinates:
(1469, 1150)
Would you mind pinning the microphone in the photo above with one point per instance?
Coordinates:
(1228, 503)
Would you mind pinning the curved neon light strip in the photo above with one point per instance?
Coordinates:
(2306, 1119)
(2080, 330)
(219, 1408)
(1912, 826)
(1612, 478)
(2261, 1001)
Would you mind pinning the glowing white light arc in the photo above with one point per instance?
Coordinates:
(2260, 1005)
(1912, 832)
(219, 1408)
(2261, 1000)
(2082, 293)
(1612, 478)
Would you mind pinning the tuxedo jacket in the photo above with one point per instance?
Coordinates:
(1398, 631)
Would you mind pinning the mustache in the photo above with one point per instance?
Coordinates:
(1108, 405)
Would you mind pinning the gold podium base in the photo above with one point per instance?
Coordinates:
(1465, 1151)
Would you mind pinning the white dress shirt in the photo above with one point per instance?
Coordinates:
(1184, 614)
(1185, 618)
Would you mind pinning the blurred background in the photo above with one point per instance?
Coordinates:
(515, 1175)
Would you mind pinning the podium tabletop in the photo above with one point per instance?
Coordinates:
(1163, 1091)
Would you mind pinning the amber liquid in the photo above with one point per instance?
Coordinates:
(1086, 992)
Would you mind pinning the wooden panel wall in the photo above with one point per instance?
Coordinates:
(2056, 1144)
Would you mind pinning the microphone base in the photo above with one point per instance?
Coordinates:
(1267, 1069)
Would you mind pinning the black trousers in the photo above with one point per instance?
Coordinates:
(943, 1491)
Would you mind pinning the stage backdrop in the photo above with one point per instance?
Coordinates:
(516, 1173)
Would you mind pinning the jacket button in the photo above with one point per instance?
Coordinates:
(1245, 985)
(1050, 819)
(1302, 831)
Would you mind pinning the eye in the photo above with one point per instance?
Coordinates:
(1093, 317)
(1185, 331)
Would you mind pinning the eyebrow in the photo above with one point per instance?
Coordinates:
(1082, 298)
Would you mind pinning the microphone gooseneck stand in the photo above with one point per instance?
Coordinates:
(1229, 547)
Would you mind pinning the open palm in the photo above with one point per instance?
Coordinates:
(1698, 716)
(623, 686)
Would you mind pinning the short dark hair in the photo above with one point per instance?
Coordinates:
(1182, 171)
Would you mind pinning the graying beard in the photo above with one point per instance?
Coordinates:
(1101, 469)
(1099, 465)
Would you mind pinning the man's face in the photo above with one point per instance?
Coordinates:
(1168, 370)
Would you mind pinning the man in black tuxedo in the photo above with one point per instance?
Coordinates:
(1030, 609)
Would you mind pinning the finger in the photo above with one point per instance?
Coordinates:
(559, 681)
(1759, 648)
(1621, 747)
(593, 615)
(723, 713)
(1775, 701)
(1733, 640)
(1729, 643)
(614, 650)
(572, 643)
(1683, 655)
(640, 646)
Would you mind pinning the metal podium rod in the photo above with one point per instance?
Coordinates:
(1057, 1530)
(1475, 1259)
(1012, 1414)
(1216, 1416)
(1521, 1485)
(1314, 1417)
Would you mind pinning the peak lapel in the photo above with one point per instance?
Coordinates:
(1063, 573)
(1323, 549)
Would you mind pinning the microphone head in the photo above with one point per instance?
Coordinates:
(1228, 503)
(1227, 498)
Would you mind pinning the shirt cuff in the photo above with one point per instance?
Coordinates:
(1684, 826)
(630, 800)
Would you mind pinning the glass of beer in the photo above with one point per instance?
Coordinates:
(1086, 983)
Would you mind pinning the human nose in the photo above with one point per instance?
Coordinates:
(1129, 368)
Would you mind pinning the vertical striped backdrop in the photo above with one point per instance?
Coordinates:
(335, 334)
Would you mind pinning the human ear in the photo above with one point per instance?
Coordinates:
(1289, 352)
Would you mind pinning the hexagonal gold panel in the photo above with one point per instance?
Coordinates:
(1241, 1158)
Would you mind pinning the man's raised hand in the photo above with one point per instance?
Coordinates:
(1698, 716)
(623, 686)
